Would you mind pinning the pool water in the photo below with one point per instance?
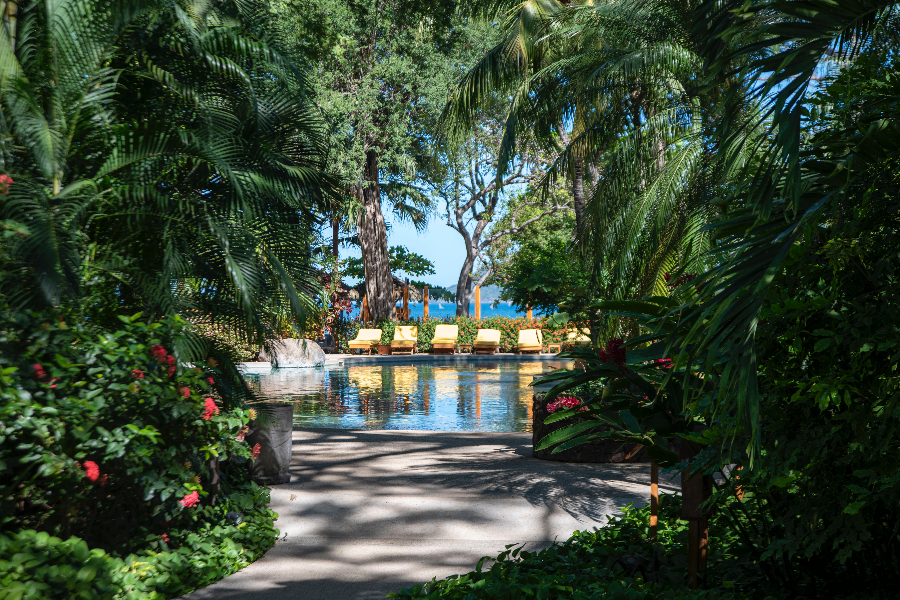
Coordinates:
(437, 397)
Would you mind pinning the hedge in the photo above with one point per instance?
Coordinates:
(468, 330)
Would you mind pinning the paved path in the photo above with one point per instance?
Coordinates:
(370, 512)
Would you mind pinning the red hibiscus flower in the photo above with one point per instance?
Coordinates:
(91, 470)
(189, 500)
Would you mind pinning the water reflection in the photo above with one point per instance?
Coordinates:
(437, 397)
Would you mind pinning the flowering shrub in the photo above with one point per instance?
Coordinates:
(104, 437)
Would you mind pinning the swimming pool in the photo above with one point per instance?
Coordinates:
(482, 396)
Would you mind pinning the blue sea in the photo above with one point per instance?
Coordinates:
(449, 310)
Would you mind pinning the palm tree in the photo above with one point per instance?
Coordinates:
(165, 158)
(628, 76)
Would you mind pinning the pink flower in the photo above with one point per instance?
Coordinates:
(209, 409)
(137, 373)
(91, 470)
(164, 537)
(189, 500)
(39, 371)
(186, 392)
(666, 362)
(158, 352)
(254, 453)
(614, 352)
(210, 381)
(564, 402)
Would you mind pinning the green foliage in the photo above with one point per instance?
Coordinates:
(73, 396)
(401, 260)
(615, 562)
(35, 565)
(536, 267)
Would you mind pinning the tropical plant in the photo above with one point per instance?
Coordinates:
(164, 158)
(626, 76)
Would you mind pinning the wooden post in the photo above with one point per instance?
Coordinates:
(696, 488)
(654, 499)
(477, 302)
(365, 309)
(529, 316)
(425, 305)
(406, 302)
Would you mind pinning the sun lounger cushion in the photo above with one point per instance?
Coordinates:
(530, 339)
(579, 338)
(487, 337)
(405, 335)
(445, 334)
(366, 338)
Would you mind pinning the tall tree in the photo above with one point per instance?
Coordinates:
(475, 199)
(381, 71)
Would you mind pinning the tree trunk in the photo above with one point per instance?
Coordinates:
(578, 193)
(464, 287)
(373, 242)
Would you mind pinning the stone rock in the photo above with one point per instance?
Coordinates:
(291, 352)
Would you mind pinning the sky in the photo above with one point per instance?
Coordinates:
(439, 243)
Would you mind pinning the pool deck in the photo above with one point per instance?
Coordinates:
(371, 512)
(333, 360)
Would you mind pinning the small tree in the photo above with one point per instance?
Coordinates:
(474, 199)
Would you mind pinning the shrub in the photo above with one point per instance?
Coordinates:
(118, 464)
(102, 434)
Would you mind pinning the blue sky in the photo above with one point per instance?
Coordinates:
(439, 243)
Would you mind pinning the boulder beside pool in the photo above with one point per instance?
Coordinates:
(293, 353)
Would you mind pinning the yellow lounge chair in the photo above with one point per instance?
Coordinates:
(446, 337)
(366, 339)
(530, 340)
(404, 339)
(486, 342)
(579, 337)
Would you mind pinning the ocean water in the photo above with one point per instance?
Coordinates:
(449, 310)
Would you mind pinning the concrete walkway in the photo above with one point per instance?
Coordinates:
(371, 512)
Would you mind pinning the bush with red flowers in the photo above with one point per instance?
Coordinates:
(106, 441)
(468, 329)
